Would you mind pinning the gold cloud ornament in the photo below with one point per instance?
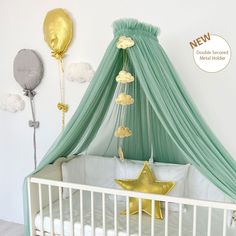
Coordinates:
(124, 99)
(124, 77)
(145, 183)
(123, 132)
(124, 42)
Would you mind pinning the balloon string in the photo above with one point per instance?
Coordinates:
(34, 132)
(63, 119)
(62, 80)
(62, 106)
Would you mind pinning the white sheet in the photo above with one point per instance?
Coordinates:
(217, 219)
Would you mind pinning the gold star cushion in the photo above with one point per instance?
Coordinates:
(146, 183)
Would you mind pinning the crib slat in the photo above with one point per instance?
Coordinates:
(50, 210)
(153, 218)
(224, 222)
(40, 209)
(166, 218)
(103, 214)
(61, 212)
(115, 215)
(71, 212)
(209, 222)
(180, 218)
(194, 220)
(127, 215)
(81, 213)
(92, 213)
(140, 217)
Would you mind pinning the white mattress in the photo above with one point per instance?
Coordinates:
(217, 219)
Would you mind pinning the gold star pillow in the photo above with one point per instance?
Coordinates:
(146, 183)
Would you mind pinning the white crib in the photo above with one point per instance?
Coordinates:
(75, 209)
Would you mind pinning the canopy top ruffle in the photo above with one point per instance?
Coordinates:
(130, 27)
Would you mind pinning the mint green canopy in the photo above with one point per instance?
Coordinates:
(164, 121)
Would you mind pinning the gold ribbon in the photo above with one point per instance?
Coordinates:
(121, 153)
(64, 108)
(57, 55)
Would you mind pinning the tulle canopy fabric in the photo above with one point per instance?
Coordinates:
(165, 123)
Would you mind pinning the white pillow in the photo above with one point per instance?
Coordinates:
(89, 170)
(129, 169)
(199, 187)
(100, 171)
(73, 172)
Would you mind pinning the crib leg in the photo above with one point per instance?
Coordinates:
(29, 185)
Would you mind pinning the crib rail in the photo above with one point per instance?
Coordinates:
(116, 192)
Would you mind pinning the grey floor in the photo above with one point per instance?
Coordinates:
(10, 229)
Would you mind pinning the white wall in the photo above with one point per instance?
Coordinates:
(180, 22)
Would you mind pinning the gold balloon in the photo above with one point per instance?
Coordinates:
(58, 31)
(146, 183)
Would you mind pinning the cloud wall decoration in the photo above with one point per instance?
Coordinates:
(12, 103)
(79, 72)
